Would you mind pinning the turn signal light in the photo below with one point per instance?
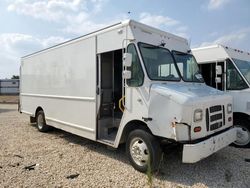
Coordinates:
(197, 129)
(230, 119)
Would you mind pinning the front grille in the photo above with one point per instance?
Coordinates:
(215, 126)
(215, 108)
(215, 117)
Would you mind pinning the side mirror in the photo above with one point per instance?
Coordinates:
(127, 59)
(218, 70)
(218, 80)
(126, 74)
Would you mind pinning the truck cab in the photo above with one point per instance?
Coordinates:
(228, 70)
(166, 94)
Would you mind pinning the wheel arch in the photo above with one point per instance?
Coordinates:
(241, 120)
(240, 115)
(132, 125)
(33, 117)
(39, 108)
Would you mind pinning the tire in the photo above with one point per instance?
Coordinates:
(41, 122)
(142, 148)
(243, 133)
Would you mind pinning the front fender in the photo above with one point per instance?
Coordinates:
(167, 116)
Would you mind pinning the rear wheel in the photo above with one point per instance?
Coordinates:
(143, 149)
(243, 133)
(41, 123)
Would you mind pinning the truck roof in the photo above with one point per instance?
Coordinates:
(218, 52)
(125, 23)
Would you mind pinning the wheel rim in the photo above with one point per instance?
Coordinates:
(139, 151)
(40, 121)
(243, 136)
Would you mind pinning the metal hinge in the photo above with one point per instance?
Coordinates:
(147, 119)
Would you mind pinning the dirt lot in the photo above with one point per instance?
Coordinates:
(29, 158)
(9, 99)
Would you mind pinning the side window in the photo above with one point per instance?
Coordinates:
(234, 80)
(137, 75)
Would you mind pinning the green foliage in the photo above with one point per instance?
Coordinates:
(149, 173)
(15, 77)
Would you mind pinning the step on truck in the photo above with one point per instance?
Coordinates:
(228, 70)
(127, 83)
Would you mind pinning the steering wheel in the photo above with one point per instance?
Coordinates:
(170, 76)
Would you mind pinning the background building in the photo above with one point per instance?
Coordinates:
(9, 86)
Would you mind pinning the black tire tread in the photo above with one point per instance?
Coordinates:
(243, 123)
(45, 127)
(153, 146)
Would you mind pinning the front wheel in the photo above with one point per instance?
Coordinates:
(143, 150)
(243, 133)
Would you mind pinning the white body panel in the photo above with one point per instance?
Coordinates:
(63, 82)
(218, 53)
(154, 36)
(195, 152)
(241, 100)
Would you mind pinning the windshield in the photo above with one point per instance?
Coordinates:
(188, 67)
(159, 63)
(244, 67)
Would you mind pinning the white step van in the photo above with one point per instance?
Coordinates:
(228, 70)
(127, 83)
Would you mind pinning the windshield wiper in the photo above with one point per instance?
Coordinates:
(151, 47)
(198, 76)
(180, 54)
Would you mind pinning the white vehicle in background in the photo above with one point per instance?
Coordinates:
(122, 84)
(228, 69)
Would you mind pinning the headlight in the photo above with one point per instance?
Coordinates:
(229, 108)
(198, 115)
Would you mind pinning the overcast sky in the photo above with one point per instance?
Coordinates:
(31, 25)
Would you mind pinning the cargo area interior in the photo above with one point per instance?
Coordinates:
(208, 72)
(110, 92)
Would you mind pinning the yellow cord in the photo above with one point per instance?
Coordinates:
(121, 107)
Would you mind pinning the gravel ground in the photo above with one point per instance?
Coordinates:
(61, 159)
(9, 99)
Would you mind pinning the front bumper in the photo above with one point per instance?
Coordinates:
(196, 152)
